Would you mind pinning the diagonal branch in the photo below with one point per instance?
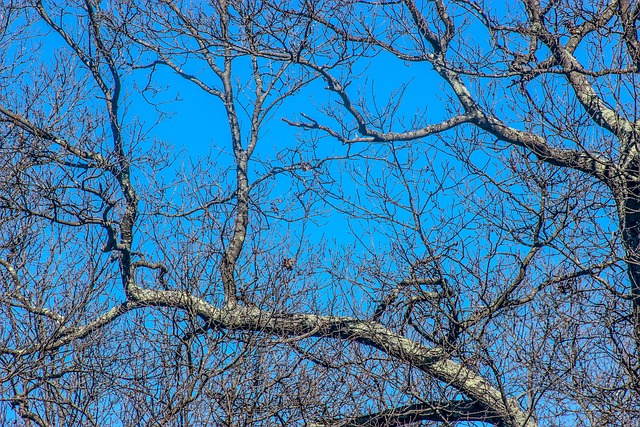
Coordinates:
(597, 109)
(65, 336)
(39, 132)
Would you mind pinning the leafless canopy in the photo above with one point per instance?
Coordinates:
(323, 213)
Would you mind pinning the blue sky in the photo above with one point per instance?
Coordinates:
(196, 127)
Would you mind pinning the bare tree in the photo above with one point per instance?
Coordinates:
(376, 261)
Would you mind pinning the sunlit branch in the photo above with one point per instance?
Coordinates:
(433, 361)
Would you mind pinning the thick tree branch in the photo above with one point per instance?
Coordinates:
(433, 361)
(449, 412)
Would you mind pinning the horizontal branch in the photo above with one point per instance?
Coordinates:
(450, 411)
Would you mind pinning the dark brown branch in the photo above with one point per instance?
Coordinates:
(450, 412)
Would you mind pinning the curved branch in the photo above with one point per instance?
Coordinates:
(590, 163)
(433, 361)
